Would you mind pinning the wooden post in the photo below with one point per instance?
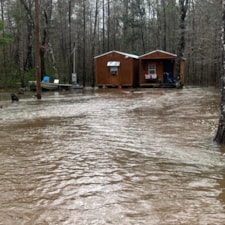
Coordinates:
(37, 51)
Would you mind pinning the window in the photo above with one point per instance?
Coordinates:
(113, 67)
(151, 72)
(152, 69)
(114, 70)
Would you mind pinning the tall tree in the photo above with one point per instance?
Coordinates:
(133, 26)
(220, 135)
(164, 26)
(103, 25)
(93, 40)
(84, 5)
(202, 44)
(70, 38)
(29, 21)
(183, 6)
(45, 42)
(3, 33)
(108, 25)
(37, 49)
(21, 47)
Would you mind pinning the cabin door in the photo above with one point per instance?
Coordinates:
(168, 68)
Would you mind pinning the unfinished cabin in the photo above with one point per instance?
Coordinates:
(116, 69)
(157, 69)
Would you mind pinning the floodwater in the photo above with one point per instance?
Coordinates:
(112, 156)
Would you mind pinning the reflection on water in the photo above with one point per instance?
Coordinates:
(112, 157)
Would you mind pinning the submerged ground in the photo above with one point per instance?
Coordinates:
(112, 156)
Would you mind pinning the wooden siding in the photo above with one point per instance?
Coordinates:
(144, 70)
(132, 69)
(127, 71)
(160, 59)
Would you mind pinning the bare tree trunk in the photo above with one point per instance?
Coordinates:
(159, 28)
(103, 25)
(44, 41)
(108, 26)
(183, 4)
(51, 53)
(37, 50)
(28, 62)
(4, 50)
(164, 26)
(21, 49)
(220, 135)
(84, 43)
(94, 42)
(125, 25)
(70, 43)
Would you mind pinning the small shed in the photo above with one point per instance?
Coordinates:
(116, 69)
(157, 68)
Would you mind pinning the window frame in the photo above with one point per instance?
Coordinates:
(113, 67)
(114, 70)
(152, 68)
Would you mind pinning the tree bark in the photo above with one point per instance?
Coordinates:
(84, 43)
(94, 42)
(44, 42)
(70, 42)
(37, 50)
(220, 135)
(21, 49)
(108, 26)
(103, 25)
(52, 56)
(164, 26)
(3, 34)
(28, 62)
(183, 4)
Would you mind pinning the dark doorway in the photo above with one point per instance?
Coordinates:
(168, 66)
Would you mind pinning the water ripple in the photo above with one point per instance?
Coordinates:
(112, 157)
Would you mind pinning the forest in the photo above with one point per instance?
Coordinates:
(87, 28)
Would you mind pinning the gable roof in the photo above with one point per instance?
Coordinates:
(158, 54)
(118, 52)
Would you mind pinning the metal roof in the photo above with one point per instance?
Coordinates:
(161, 51)
(121, 53)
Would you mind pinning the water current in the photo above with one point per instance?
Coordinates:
(112, 156)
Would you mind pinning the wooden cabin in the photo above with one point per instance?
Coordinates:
(116, 69)
(157, 69)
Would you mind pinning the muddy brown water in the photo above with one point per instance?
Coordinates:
(112, 157)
